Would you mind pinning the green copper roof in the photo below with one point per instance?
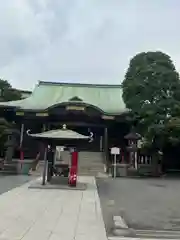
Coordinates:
(107, 98)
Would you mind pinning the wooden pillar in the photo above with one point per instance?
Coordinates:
(101, 143)
(21, 134)
(106, 146)
(45, 159)
(21, 142)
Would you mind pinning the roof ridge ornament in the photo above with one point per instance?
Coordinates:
(75, 99)
(64, 127)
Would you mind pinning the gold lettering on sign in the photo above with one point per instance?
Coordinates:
(75, 108)
(106, 117)
(19, 113)
(42, 114)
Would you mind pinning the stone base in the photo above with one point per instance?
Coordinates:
(24, 166)
(38, 185)
(8, 168)
(121, 170)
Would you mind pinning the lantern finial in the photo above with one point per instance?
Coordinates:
(64, 126)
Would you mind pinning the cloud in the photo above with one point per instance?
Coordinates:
(82, 41)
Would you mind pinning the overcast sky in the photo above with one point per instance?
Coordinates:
(87, 41)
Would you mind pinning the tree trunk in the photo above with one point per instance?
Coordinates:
(155, 165)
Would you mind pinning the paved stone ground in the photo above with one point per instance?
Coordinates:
(41, 214)
(9, 182)
(144, 203)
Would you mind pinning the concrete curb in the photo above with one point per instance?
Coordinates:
(121, 229)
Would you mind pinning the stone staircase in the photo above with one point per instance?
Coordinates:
(90, 163)
(9, 169)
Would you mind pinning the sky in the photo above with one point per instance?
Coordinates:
(86, 41)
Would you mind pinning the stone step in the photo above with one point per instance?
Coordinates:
(8, 172)
(96, 174)
(90, 153)
(9, 167)
(128, 233)
(91, 159)
(90, 170)
(96, 162)
(132, 172)
(157, 234)
(91, 165)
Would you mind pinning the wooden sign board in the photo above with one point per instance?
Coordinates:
(115, 151)
(19, 113)
(41, 114)
(75, 108)
(105, 117)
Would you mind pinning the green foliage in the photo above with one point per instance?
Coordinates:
(7, 93)
(173, 130)
(4, 125)
(151, 89)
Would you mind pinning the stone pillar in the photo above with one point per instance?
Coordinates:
(44, 128)
(10, 145)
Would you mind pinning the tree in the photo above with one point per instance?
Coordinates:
(151, 89)
(7, 93)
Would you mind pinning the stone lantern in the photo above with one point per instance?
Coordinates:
(11, 143)
(132, 147)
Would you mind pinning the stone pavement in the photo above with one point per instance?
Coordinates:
(144, 203)
(9, 182)
(41, 214)
(131, 238)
